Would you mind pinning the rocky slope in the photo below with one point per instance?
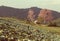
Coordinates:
(13, 30)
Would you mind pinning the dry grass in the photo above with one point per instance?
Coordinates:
(51, 29)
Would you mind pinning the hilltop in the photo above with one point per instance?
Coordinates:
(6, 11)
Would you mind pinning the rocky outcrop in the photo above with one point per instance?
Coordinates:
(31, 15)
(46, 15)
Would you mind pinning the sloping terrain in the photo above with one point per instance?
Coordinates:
(12, 29)
(6, 11)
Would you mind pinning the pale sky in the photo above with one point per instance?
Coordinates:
(49, 4)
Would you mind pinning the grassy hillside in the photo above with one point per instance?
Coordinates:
(12, 29)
